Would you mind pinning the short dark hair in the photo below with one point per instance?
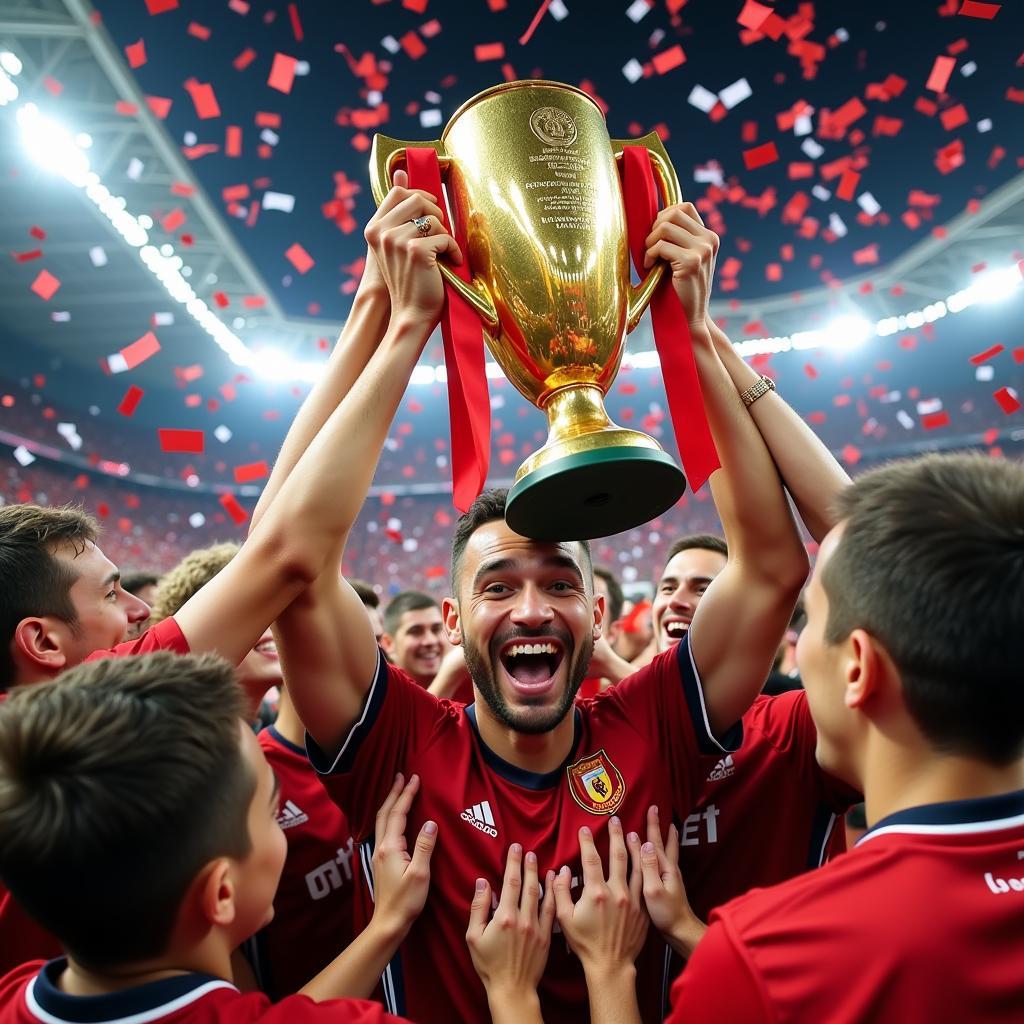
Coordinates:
(616, 599)
(406, 601)
(119, 781)
(702, 541)
(488, 507)
(930, 562)
(35, 582)
(133, 582)
(365, 593)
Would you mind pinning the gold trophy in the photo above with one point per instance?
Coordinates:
(531, 175)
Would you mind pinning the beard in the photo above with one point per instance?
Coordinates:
(528, 720)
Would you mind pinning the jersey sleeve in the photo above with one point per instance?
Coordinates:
(664, 704)
(297, 1009)
(719, 984)
(397, 721)
(164, 636)
(789, 726)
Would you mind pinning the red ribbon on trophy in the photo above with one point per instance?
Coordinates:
(671, 330)
(469, 402)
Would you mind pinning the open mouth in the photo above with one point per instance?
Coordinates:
(675, 629)
(267, 648)
(532, 665)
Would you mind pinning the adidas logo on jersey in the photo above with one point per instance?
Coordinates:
(291, 815)
(1001, 885)
(480, 817)
(723, 769)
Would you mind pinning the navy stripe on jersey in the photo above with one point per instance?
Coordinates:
(145, 1003)
(821, 831)
(520, 776)
(361, 728)
(392, 980)
(983, 814)
(694, 691)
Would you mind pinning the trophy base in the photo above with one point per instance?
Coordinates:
(594, 493)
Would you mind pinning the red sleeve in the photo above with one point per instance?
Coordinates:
(256, 1008)
(664, 704)
(718, 984)
(399, 718)
(164, 636)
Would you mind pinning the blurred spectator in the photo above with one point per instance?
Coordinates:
(142, 585)
(371, 602)
(414, 636)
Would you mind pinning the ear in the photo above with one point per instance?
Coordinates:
(612, 631)
(452, 622)
(598, 614)
(387, 642)
(863, 669)
(40, 642)
(216, 890)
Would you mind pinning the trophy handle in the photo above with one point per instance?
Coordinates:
(640, 295)
(387, 155)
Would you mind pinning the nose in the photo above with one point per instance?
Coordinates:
(137, 609)
(532, 608)
(679, 600)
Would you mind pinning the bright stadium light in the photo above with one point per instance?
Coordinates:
(847, 331)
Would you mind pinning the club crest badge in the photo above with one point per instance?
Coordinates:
(596, 784)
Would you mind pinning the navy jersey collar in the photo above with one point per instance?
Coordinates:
(983, 814)
(144, 1003)
(286, 743)
(520, 776)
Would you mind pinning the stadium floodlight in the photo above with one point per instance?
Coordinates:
(846, 332)
(10, 63)
(52, 146)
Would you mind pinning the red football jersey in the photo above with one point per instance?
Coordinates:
(766, 812)
(922, 921)
(635, 745)
(21, 939)
(313, 908)
(30, 995)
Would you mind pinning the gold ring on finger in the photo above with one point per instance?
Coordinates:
(422, 225)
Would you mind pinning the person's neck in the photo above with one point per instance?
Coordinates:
(533, 752)
(897, 777)
(79, 980)
(288, 723)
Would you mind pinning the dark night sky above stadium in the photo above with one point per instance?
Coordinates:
(863, 67)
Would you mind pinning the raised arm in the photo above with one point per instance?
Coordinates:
(295, 538)
(809, 470)
(743, 616)
(328, 649)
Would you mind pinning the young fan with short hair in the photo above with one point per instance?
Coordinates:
(138, 824)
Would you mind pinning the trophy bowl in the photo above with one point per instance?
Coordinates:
(532, 180)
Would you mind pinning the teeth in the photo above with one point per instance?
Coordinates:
(675, 628)
(518, 649)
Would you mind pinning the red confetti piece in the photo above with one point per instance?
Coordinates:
(1018, 354)
(199, 31)
(221, 299)
(1015, 95)
(25, 257)
(266, 120)
(126, 109)
(173, 220)
(934, 420)
(989, 353)
(489, 51)
(37, 232)
(1007, 400)
(131, 400)
(233, 193)
(850, 455)
(244, 59)
(45, 285)
(136, 54)
(847, 185)
(161, 6)
(230, 505)
(941, 70)
(233, 140)
(282, 72)
(159, 105)
(760, 155)
(139, 351)
(954, 117)
(293, 15)
(811, 371)
(251, 471)
(413, 45)
(668, 59)
(754, 15)
(204, 99)
(299, 258)
(182, 188)
(976, 9)
(190, 441)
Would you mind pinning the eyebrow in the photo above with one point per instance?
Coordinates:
(111, 577)
(674, 580)
(507, 564)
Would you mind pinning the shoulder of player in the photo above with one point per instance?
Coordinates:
(164, 636)
(423, 700)
(15, 981)
(296, 1009)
